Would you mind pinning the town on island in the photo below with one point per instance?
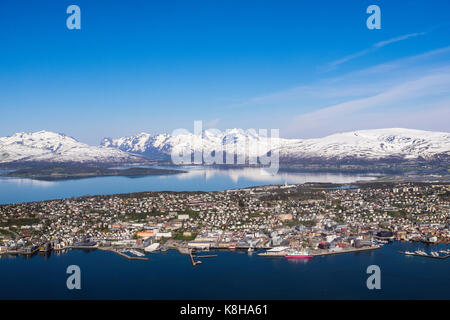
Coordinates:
(292, 221)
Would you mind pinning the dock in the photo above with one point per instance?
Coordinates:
(123, 254)
(316, 253)
(25, 253)
(82, 247)
(207, 256)
(346, 251)
(194, 263)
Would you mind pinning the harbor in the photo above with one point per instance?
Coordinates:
(136, 253)
(242, 275)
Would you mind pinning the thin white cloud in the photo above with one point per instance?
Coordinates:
(374, 47)
(397, 39)
(362, 82)
(344, 116)
(396, 93)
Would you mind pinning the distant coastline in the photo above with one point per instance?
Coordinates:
(67, 172)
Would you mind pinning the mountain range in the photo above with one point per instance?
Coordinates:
(375, 144)
(398, 143)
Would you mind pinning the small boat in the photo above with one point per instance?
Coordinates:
(435, 254)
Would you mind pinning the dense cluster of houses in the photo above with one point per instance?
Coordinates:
(263, 217)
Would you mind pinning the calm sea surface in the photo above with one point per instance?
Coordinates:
(231, 275)
(13, 190)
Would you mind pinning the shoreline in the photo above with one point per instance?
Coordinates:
(190, 252)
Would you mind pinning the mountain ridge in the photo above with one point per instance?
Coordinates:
(47, 146)
(362, 144)
(373, 144)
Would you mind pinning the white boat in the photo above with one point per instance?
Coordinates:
(433, 253)
(294, 254)
(152, 247)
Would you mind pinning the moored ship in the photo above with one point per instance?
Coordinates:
(298, 254)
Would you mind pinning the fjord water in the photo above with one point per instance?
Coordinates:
(231, 275)
(14, 190)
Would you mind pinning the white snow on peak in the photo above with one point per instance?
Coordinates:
(366, 144)
(48, 146)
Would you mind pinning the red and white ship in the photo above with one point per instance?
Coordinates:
(298, 255)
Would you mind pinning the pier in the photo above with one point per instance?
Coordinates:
(207, 256)
(346, 251)
(194, 263)
(317, 253)
(123, 254)
(25, 253)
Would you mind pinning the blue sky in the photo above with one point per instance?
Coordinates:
(309, 68)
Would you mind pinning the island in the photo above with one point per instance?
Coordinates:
(64, 172)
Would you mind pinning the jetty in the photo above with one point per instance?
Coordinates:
(194, 263)
(206, 256)
(344, 250)
(123, 254)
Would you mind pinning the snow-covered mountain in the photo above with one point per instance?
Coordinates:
(45, 146)
(364, 144)
(161, 145)
(373, 144)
